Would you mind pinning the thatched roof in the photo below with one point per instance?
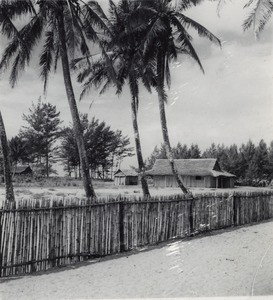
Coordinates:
(189, 167)
(22, 169)
(125, 172)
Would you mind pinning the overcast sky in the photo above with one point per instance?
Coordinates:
(231, 103)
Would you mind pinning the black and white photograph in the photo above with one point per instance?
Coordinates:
(136, 149)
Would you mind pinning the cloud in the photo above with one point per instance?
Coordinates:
(231, 103)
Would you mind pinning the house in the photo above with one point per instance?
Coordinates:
(204, 173)
(126, 177)
(23, 170)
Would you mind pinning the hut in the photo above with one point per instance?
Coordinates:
(202, 173)
(126, 177)
(23, 170)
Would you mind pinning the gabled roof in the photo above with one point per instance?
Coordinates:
(21, 169)
(126, 172)
(189, 167)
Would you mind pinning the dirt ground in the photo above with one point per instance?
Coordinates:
(109, 189)
(235, 262)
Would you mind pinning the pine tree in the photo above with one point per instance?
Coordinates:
(41, 133)
(261, 161)
(194, 151)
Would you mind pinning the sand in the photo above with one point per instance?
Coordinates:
(234, 262)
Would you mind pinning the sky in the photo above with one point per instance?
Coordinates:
(230, 103)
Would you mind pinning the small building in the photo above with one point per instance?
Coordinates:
(23, 170)
(126, 177)
(202, 173)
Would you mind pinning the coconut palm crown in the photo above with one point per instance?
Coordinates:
(126, 55)
(259, 16)
(61, 29)
(166, 37)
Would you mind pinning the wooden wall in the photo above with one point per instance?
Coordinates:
(191, 181)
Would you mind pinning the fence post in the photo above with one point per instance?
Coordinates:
(191, 233)
(121, 226)
(235, 205)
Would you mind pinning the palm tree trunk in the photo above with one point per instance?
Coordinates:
(87, 183)
(141, 167)
(166, 140)
(7, 168)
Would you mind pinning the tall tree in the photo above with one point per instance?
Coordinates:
(261, 161)
(270, 162)
(42, 131)
(6, 162)
(232, 164)
(210, 152)
(246, 155)
(194, 151)
(125, 52)
(156, 154)
(103, 145)
(165, 38)
(64, 28)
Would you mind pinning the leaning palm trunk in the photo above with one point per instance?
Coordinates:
(7, 168)
(167, 143)
(163, 121)
(141, 166)
(87, 183)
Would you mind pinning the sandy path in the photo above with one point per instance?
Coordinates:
(223, 264)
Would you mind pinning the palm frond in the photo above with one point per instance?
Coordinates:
(249, 3)
(57, 56)
(105, 86)
(185, 42)
(46, 56)
(31, 33)
(16, 8)
(259, 16)
(8, 53)
(201, 30)
(186, 4)
(8, 28)
(15, 69)
(155, 29)
(93, 12)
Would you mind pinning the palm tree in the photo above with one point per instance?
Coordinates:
(124, 46)
(259, 16)
(165, 38)
(7, 166)
(64, 28)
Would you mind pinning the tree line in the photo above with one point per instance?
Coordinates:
(44, 141)
(252, 164)
(138, 41)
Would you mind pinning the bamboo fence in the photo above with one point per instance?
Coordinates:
(39, 235)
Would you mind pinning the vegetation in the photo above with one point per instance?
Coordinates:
(44, 142)
(259, 16)
(61, 29)
(40, 135)
(105, 148)
(253, 165)
(146, 37)
(126, 55)
(138, 41)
